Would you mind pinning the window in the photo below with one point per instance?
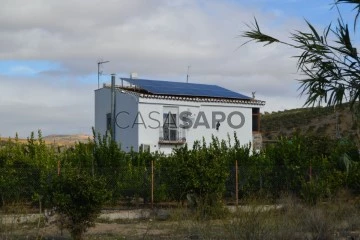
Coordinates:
(108, 121)
(144, 148)
(170, 132)
(256, 119)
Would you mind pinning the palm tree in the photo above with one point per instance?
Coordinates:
(328, 60)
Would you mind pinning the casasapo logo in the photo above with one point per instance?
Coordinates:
(185, 120)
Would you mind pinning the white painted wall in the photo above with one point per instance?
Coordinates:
(153, 108)
(126, 110)
(102, 107)
(139, 120)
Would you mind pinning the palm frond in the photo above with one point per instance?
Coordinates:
(328, 60)
(356, 7)
(254, 34)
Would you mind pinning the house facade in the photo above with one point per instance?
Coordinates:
(159, 115)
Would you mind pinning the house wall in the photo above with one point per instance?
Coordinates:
(102, 107)
(140, 120)
(152, 113)
(126, 109)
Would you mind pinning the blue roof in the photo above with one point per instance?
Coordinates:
(184, 89)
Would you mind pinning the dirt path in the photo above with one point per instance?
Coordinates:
(133, 230)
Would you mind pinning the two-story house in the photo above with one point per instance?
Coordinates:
(160, 115)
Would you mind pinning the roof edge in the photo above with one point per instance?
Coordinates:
(194, 99)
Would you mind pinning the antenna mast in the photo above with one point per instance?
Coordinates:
(99, 63)
(187, 75)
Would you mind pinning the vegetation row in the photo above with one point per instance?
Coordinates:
(81, 179)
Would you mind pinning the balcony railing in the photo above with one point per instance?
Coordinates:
(172, 136)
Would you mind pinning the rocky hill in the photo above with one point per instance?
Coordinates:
(325, 121)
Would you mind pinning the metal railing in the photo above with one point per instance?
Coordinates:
(172, 136)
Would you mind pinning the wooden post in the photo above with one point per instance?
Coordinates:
(236, 183)
(58, 168)
(152, 183)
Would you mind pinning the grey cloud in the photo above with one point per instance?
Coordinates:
(158, 39)
(28, 104)
(24, 118)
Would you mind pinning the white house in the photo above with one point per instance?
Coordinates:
(162, 115)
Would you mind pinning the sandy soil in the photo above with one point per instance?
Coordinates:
(145, 229)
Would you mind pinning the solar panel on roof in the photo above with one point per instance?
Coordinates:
(184, 89)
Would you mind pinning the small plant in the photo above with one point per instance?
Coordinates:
(311, 192)
(316, 224)
(78, 199)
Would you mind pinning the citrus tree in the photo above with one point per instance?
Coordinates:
(77, 198)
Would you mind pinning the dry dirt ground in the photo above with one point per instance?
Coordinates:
(338, 220)
(134, 230)
(144, 229)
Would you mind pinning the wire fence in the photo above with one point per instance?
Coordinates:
(151, 185)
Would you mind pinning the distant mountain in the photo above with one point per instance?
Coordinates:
(324, 121)
(60, 139)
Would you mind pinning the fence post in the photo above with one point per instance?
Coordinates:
(58, 168)
(92, 168)
(236, 183)
(152, 183)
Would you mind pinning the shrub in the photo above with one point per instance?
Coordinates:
(312, 192)
(78, 199)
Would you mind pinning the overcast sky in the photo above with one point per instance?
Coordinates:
(49, 51)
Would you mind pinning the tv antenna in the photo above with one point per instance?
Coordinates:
(253, 94)
(187, 75)
(100, 72)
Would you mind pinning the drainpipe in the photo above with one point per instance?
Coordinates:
(113, 106)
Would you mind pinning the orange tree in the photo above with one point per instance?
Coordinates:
(78, 198)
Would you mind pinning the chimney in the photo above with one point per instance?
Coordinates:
(133, 75)
(113, 106)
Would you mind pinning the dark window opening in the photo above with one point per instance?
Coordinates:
(108, 121)
(256, 119)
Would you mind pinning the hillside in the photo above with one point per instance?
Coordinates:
(66, 139)
(324, 121)
(58, 139)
